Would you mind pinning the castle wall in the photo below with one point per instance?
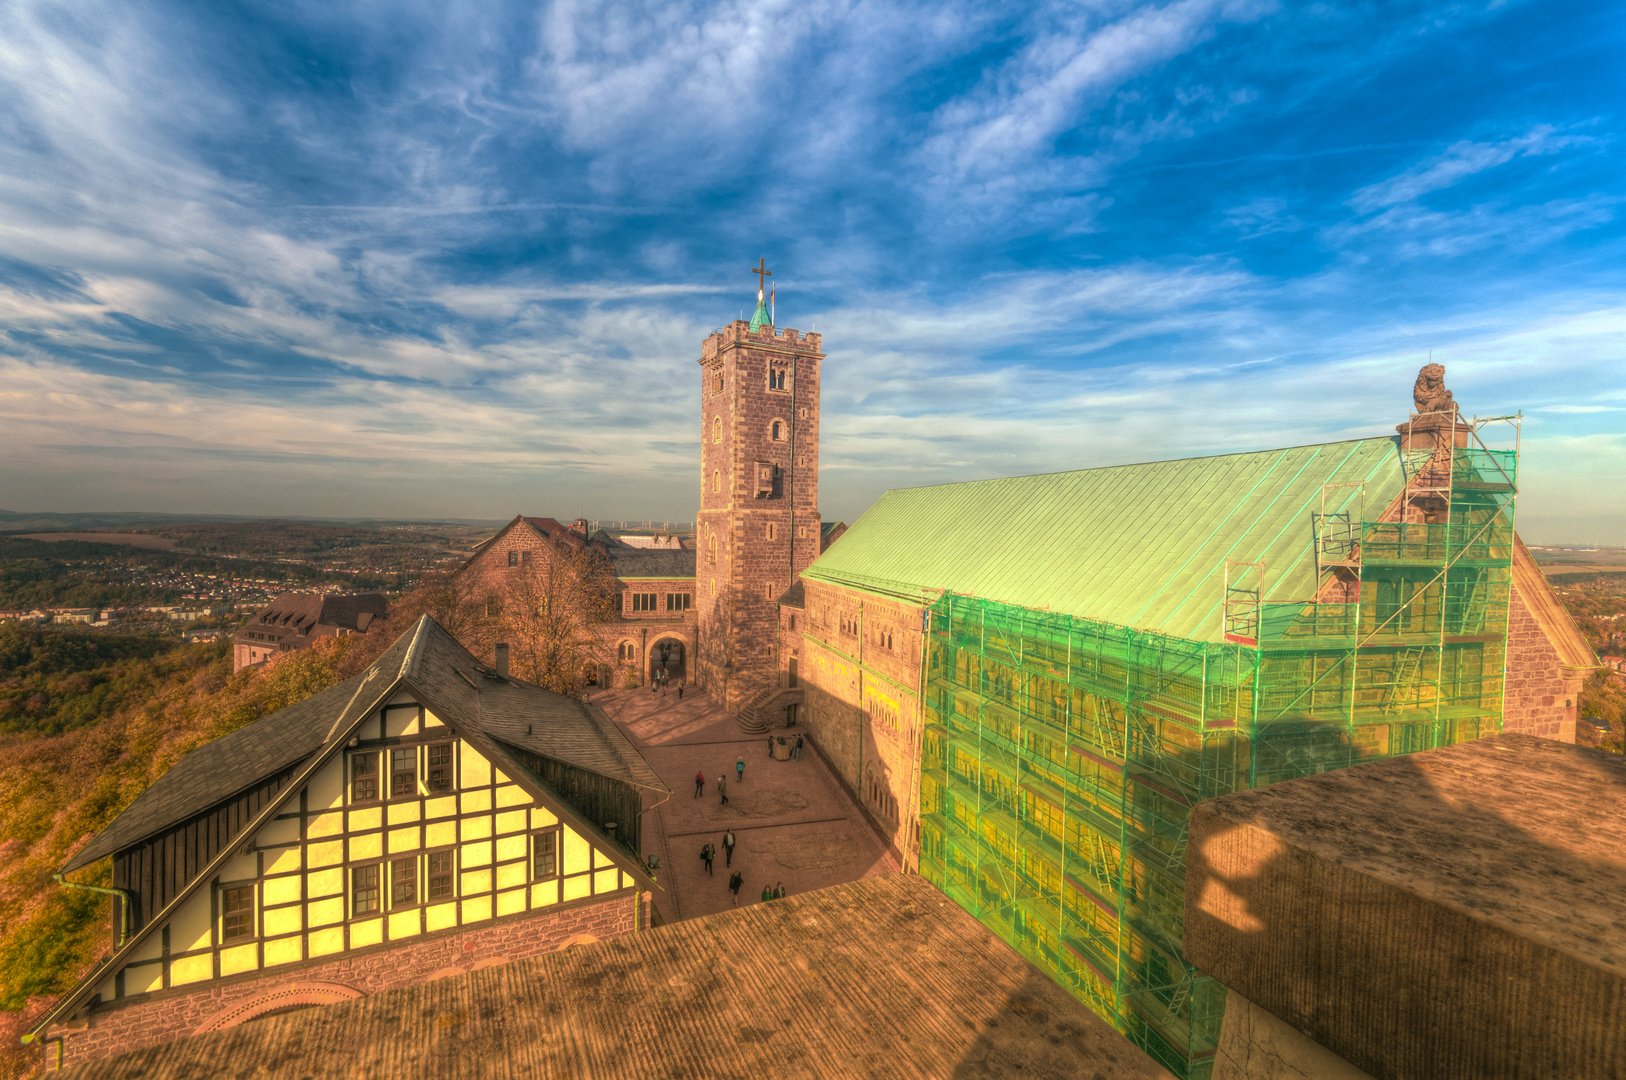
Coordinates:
(1538, 698)
(860, 667)
(621, 647)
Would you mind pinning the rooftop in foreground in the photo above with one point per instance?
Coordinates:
(879, 977)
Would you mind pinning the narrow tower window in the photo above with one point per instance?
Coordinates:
(717, 429)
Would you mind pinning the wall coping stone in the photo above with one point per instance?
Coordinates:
(1456, 912)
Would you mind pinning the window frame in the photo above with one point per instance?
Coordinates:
(556, 850)
(253, 912)
(408, 748)
(679, 602)
(350, 786)
(450, 874)
(513, 557)
(353, 889)
(644, 602)
(429, 769)
(416, 899)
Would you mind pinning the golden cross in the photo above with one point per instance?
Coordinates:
(762, 272)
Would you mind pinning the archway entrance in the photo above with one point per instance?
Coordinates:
(668, 654)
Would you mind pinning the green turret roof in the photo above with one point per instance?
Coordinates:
(760, 319)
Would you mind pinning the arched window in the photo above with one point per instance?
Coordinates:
(717, 429)
(777, 431)
(627, 653)
(716, 480)
(711, 548)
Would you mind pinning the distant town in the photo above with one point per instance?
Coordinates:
(201, 580)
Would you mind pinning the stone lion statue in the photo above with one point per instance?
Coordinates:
(1429, 393)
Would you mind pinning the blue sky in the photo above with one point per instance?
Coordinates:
(435, 259)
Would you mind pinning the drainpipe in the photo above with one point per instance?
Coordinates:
(124, 903)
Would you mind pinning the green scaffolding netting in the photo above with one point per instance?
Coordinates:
(1061, 757)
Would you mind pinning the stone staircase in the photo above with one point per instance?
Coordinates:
(766, 709)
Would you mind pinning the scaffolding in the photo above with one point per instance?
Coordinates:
(1061, 756)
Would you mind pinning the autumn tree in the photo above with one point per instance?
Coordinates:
(547, 613)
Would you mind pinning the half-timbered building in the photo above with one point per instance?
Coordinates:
(429, 816)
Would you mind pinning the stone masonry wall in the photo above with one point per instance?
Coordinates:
(860, 669)
(1538, 699)
(487, 574)
(147, 1019)
(752, 547)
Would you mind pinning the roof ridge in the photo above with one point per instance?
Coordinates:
(1138, 464)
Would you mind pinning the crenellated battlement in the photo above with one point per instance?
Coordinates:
(739, 332)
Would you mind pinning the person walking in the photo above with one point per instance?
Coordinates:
(722, 790)
(796, 751)
(699, 783)
(739, 771)
(734, 883)
(767, 894)
(728, 847)
(707, 854)
(680, 689)
(770, 747)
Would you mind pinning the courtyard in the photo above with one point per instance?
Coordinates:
(793, 822)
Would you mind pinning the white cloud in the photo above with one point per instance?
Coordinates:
(1459, 161)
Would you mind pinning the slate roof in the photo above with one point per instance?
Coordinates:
(795, 596)
(631, 562)
(884, 976)
(427, 660)
(293, 619)
(1142, 546)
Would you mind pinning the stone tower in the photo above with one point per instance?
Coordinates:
(758, 525)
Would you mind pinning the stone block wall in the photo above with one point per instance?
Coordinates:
(860, 667)
(487, 573)
(147, 1019)
(756, 533)
(1540, 697)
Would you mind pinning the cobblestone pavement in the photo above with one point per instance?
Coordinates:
(794, 823)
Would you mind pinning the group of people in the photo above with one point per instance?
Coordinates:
(708, 855)
(658, 684)
(722, 781)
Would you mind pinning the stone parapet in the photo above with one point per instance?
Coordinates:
(1453, 913)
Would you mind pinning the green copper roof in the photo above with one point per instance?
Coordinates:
(1135, 545)
(760, 319)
